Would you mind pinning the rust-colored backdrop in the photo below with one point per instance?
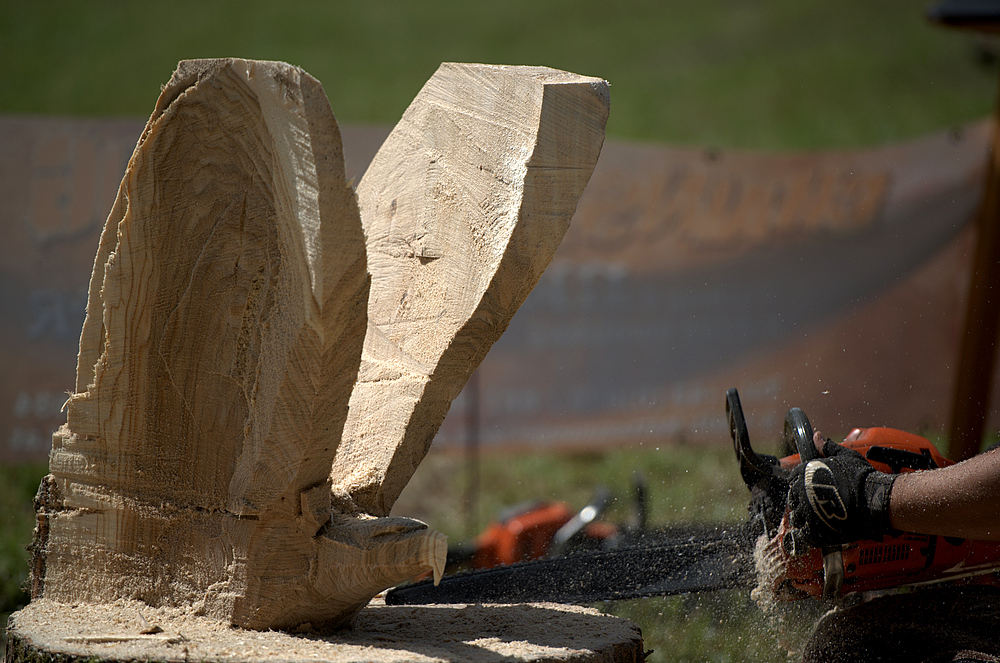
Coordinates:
(830, 281)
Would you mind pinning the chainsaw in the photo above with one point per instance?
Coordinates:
(765, 551)
(540, 528)
(544, 528)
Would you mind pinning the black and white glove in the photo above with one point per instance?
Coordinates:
(839, 498)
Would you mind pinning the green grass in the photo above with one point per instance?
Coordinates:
(685, 484)
(18, 484)
(773, 74)
(722, 627)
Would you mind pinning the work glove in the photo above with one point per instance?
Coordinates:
(839, 498)
(767, 505)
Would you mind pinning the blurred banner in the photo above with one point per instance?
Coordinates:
(829, 281)
(58, 180)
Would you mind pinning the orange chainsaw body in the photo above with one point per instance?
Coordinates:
(521, 536)
(897, 560)
(528, 534)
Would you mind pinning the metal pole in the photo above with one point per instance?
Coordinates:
(472, 455)
(977, 352)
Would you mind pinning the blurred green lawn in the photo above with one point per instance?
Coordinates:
(756, 74)
(771, 74)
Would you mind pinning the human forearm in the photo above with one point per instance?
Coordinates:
(962, 500)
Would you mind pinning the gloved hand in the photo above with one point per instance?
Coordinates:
(839, 498)
(767, 505)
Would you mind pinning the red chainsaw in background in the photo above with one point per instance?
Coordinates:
(673, 561)
(548, 528)
(535, 530)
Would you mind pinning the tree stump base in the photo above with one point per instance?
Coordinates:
(132, 631)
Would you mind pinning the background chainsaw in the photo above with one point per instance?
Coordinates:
(707, 558)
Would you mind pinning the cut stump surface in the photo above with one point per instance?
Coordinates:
(126, 630)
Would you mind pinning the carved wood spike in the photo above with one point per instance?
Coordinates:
(209, 457)
(463, 207)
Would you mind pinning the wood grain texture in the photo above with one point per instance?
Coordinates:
(264, 361)
(223, 336)
(463, 207)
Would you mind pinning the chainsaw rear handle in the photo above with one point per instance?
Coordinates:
(575, 525)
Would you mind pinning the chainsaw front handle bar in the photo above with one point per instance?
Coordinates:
(754, 467)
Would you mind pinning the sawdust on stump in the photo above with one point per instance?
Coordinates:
(130, 630)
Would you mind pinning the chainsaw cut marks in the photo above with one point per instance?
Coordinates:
(463, 207)
(223, 336)
(249, 399)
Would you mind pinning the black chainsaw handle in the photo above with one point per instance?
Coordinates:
(754, 467)
(798, 435)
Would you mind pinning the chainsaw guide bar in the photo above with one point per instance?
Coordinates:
(721, 560)
(699, 558)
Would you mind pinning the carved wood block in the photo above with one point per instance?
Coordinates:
(249, 401)
(463, 207)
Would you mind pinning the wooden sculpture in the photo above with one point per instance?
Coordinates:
(249, 400)
(463, 207)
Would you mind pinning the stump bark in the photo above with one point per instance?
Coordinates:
(267, 356)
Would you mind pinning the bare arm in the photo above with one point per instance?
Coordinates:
(961, 500)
